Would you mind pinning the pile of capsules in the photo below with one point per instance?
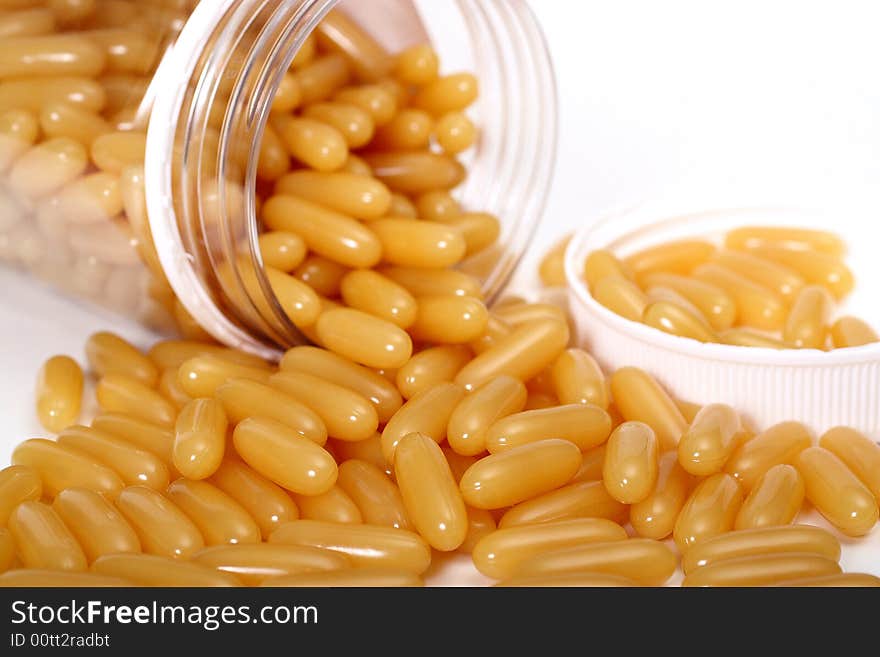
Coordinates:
(771, 287)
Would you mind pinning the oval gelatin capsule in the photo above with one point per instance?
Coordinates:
(639, 398)
(430, 494)
(710, 510)
(320, 77)
(601, 264)
(672, 257)
(520, 473)
(499, 554)
(314, 143)
(780, 443)
(47, 167)
(135, 466)
(761, 571)
(351, 578)
(362, 197)
(283, 456)
(253, 563)
(803, 239)
(369, 450)
(42, 540)
(201, 376)
(98, 527)
(169, 387)
(50, 55)
(424, 244)
(118, 393)
(676, 319)
(587, 499)
(374, 99)
(756, 305)
(860, 454)
(648, 562)
(61, 467)
(747, 338)
(417, 65)
(169, 354)
(163, 529)
(631, 462)
(803, 539)
(200, 438)
(34, 93)
(18, 483)
(712, 302)
(263, 500)
(115, 151)
(455, 132)
(431, 367)
(481, 523)
(836, 492)
(816, 268)
(373, 293)
(806, 326)
(376, 496)
(61, 120)
(220, 518)
(776, 278)
(449, 320)
(578, 379)
(852, 332)
(471, 419)
(346, 414)
(427, 412)
(354, 124)
(333, 506)
(59, 393)
(584, 425)
(552, 267)
(775, 500)
(155, 570)
(433, 282)
(438, 206)
(139, 433)
(410, 129)
(322, 275)
(451, 93)
(416, 172)
(591, 466)
(621, 296)
(282, 250)
(364, 339)
(655, 516)
(367, 546)
(710, 439)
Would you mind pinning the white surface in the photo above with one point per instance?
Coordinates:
(652, 94)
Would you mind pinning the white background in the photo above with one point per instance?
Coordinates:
(653, 95)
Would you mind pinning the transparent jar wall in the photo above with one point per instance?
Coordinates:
(244, 46)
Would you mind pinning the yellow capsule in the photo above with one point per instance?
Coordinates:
(816, 268)
(169, 387)
(363, 578)
(337, 32)
(709, 511)
(423, 244)
(843, 580)
(354, 124)
(578, 500)
(363, 338)
(98, 527)
(401, 206)
(655, 516)
(860, 454)
(431, 367)
(201, 376)
(518, 313)
(335, 236)
(451, 93)
(806, 326)
(430, 493)
(61, 120)
(374, 99)
(672, 257)
(284, 457)
(108, 353)
(254, 563)
(775, 500)
(200, 438)
(333, 506)
(471, 420)
(409, 130)
(481, 523)
(59, 393)
(18, 483)
(27, 22)
(282, 250)
(416, 172)
(572, 580)
(118, 393)
(321, 275)
(500, 554)
(163, 529)
(639, 398)
(161, 571)
(480, 230)
(688, 410)
(135, 466)
(520, 473)
(353, 195)
(747, 338)
(47, 167)
(802, 239)
(852, 332)
(578, 379)
(713, 303)
(369, 450)
(621, 296)
(836, 492)
(591, 466)
(266, 503)
(50, 55)
(116, 151)
(18, 131)
(170, 354)
(455, 132)
(776, 278)
(677, 319)
(220, 518)
(762, 570)
(32, 94)
(631, 462)
(91, 199)
(375, 495)
(320, 78)
(433, 282)
(373, 293)
(297, 299)
(584, 425)
(710, 439)
(758, 542)
(367, 546)
(273, 161)
(756, 305)
(143, 435)
(449, 320)
(128, 51)
(552, 267)
(7, 550)
(288, 96)
(427, 412)
(42, 540)
(527, 351)
(602, 264)
(418, 65)
(60, 467)
(186, 324)
(314, 143)
(780, 443)
(648, 562)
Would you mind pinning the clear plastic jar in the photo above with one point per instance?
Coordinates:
(158, 109)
